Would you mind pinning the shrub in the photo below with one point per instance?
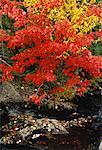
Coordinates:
(41, 52)
(84, 15)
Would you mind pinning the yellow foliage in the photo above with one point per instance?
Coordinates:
(86, 24)
(30, 2)
(73, 10)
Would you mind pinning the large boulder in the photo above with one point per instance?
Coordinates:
(8, 93)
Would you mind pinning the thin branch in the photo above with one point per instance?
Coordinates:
(2, 44)
(1, 56)
(39, 89)
(3, 61)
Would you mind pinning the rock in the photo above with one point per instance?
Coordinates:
(8, 93)
(100, 146)
(51, 125)
(68, 105)
(60, 104)
(25, 132)
(43, 125)
(58, 128)
(3, 114)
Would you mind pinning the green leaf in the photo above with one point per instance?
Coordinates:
(96, 48)
(7, 23)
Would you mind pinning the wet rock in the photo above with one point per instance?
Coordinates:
(43, 125)
(58, 126)
(66, 128)
(25, 129)
(8, 93)
(3, 114)
(60, 104)
(100, 146)
(21, 147)
(52, 125)
(25, 132)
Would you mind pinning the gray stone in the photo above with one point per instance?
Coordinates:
(25, 132)
(100, 146)
(8, 93)
(60, 104)
(52, 125)
(59, 129)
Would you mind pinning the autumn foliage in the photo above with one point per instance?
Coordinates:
(43, 51)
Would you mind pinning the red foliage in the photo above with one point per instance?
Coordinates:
(37, 99)
(3, 35)
(95, 10)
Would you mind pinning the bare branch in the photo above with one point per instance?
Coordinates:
(3, 61)
(2, 40)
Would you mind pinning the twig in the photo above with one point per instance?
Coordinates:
(1, 56)
(4, 62)
(2, 44)
(39, 89)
